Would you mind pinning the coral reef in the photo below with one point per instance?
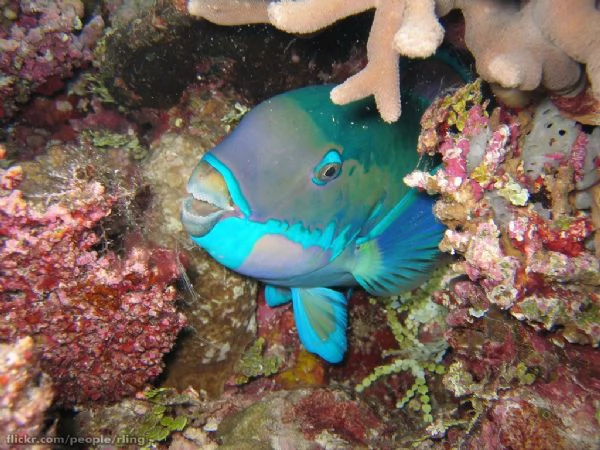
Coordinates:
(505, 357)
(42, 43)
(517, 389)
(300, 418)
(25, 391)
(101, 321)
(146, 420)
(504, 384)
(516, 45)
(506, 194)
(420, 337)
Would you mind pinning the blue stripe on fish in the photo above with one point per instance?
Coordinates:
(235, 252)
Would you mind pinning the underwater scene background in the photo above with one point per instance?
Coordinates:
(117, 330)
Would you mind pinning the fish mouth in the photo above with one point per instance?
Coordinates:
(208, 201)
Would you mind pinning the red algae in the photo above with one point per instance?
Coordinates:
(100, 321)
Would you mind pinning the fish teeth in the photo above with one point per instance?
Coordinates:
(213, 199)
(199, 217)
(206, 184)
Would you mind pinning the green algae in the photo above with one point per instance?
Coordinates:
(254, 363)
(459, 104)
(233, 116)
(161, 419)
(406, 315)
(108, 139)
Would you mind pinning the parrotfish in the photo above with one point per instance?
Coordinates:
(307, 197)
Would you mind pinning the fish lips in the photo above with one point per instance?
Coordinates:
(199, 217)
(208, 201)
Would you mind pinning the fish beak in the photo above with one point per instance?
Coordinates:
(209, 199)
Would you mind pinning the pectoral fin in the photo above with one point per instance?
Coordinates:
(403, 250)
(321, 319)
(276, 296)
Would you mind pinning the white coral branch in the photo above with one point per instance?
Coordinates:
(308, 16)
(230, 12)
(420, 33)
(381, 75)
(516, 45)
(408, 27)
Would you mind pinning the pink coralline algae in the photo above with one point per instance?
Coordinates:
(41, 44)
(102, 322)
(519, 193)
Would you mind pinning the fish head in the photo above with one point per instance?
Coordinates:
(285, 193)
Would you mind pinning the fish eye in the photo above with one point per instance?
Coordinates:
(329, 172)
(328, 169)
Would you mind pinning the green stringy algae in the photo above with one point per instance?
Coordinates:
(413, 356)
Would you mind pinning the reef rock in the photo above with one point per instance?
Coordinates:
(219, 304)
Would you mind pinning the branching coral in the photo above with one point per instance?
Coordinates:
(230, 12)
(518, 45)
(494, 28)
(409, 28)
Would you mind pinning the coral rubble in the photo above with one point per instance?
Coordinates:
(518, 388)
(25, 391)
(508, 186)
(300, 418)
(101, 321)
(516, 45)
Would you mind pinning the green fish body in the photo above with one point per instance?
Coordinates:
(307, 196)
